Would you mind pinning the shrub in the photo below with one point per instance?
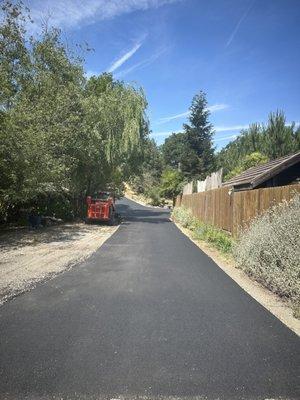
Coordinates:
(183, 216)
(219, 239)
(269, 250)
(154, 195)
(201, 231)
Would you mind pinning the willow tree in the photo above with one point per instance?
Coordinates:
(115, 129)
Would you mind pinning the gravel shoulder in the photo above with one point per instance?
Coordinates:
(28, 257)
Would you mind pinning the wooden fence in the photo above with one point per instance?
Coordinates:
(231, 211)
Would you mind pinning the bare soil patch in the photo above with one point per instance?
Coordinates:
(28, 257)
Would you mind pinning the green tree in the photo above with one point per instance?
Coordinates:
(278, 138)
(150, 169)
(250, 160)
(274, 140)
(199, 134)
(174, 150)
(192, 151)
(171, 183)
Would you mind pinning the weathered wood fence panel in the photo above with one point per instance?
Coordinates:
(231, 211)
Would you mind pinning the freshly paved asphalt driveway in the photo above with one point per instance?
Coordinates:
(148, 314)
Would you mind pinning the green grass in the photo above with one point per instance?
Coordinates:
(219, 239)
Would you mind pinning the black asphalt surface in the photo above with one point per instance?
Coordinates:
(149, 315)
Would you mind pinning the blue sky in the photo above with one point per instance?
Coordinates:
(245, 54)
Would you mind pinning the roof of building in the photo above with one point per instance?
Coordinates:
(254, 176)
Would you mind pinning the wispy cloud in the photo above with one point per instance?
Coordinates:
(225, 138)
(230, 128)
(172, 117)
(217, 107)
(120, 61)
(74, 13)
(212, 109)
(141, 64)
(243, 127)
(217, 129)
(234, 32)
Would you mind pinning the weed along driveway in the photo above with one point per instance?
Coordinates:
(148, 315)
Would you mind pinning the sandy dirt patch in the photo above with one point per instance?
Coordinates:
(28, 257)
(142, 200)
(138, 198)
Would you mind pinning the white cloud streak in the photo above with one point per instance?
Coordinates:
(120, 61)
(172, 117)
(234, 32)
(74, 13)
(225, 138)
(218, 129)
(217, 107)
(230, 128)
(141, 64)
(212, 109)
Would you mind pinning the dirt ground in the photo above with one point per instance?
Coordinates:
(141, 199)
(28, 257)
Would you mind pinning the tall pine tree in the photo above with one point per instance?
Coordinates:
(199, 135)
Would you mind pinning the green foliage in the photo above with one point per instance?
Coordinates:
(199, 134)
(192, 151)
(154, 195)
(274, 140)
(251, 160)
(184, 217)
(269, 250)
(171, 183)
(174, 150)
(60, 135)
(278, 139)
(201, 231)
(219, 239)
(150, 163)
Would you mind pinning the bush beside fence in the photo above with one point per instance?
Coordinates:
(232, 211)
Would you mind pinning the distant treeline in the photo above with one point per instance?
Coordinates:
(258, 144)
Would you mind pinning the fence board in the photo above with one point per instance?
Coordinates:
(231, 212)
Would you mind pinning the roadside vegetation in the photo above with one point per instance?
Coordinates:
(269, 251)
(217, 238)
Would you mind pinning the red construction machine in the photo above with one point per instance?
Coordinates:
(101, 208)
